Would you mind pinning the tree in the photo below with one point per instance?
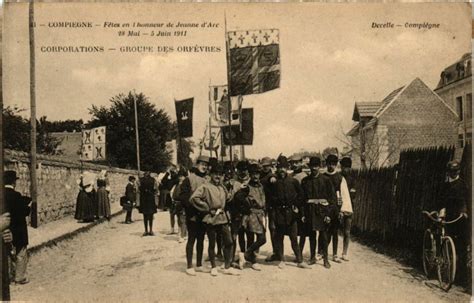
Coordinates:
(64, 126)
(154, 127)
(16, 133)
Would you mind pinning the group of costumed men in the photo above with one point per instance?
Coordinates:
(231, 206)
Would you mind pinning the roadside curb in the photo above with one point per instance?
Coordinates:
(69, 235)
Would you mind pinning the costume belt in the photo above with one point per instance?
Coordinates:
(318, 201)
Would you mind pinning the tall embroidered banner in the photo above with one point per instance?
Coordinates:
(184, 116)
(240, 134)
(254, 61)
(93, 144)
(220, 106)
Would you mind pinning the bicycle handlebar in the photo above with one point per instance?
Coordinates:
(439, 220)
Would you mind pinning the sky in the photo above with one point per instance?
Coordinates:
(330, 58)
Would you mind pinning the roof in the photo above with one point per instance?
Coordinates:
(365, 110)
(353, 131)
(459, 70)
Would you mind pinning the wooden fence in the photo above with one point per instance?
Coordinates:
(389, 201)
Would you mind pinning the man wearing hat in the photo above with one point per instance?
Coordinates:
(18, 206)
(210, 199)
(320, 205)
(253, 198)
(346, 168)
(452, 204)
(267, 177)
(344, 203)
(178, 204)
(237, 211)
(196, 228)
(131, 199)
(286, 197)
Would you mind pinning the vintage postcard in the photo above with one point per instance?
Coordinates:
(229, 152)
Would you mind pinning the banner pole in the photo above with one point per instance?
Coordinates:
(136, 135)
(229, 103)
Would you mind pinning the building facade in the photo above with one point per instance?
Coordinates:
(411, 116)
(455, 87)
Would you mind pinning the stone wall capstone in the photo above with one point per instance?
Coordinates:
(57, 181)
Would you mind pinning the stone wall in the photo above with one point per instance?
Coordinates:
(57, 182)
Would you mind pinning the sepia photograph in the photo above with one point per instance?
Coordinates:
(236, 151)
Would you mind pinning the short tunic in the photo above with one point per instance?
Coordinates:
(254, 220)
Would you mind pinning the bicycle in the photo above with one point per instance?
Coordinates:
(439, 251)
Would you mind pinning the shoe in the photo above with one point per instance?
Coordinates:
(145, 234)
(190, 271)
(180, 240)
(336, 259)
(327, 264)
(303, 265)
(241, 260)
(271, 258)
(256, 267)
(312, 261)
(24, 281)
(151, 233)
(230, 271)
(202, 269)
(214, 272)
(281, 265)
(171, 232)
(345, 258)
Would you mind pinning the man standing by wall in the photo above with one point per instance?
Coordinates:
(18, 207)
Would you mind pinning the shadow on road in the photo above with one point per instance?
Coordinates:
(179, 266)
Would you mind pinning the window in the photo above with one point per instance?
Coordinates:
(460, 140)
(468, 106)
(459, 109)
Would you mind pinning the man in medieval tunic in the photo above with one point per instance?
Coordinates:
(286, 199)
(344, 203)
(320, 206)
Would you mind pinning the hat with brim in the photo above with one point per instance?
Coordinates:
(332, 159)
(266, 161)
(314, 162)
(204, 159)
(217, 169)
(254, 168)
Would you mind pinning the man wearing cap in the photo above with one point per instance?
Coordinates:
(320, 206)
(237, 211)
(344, 203)
(452, 204)
(253, 197)
(18, 206)
(131, 198)
(210, 199)
(196, 228)
(346, 168)
(296, 162)
(286, 197)
(267, 177)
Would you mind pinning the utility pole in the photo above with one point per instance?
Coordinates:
(5, 296)
(33, 184)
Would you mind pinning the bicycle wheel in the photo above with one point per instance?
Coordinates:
(447, 264)
(429, 253)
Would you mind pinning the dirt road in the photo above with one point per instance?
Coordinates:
(113, 262)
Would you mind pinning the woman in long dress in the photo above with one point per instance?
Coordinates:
(103, 202)
(85, 203)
